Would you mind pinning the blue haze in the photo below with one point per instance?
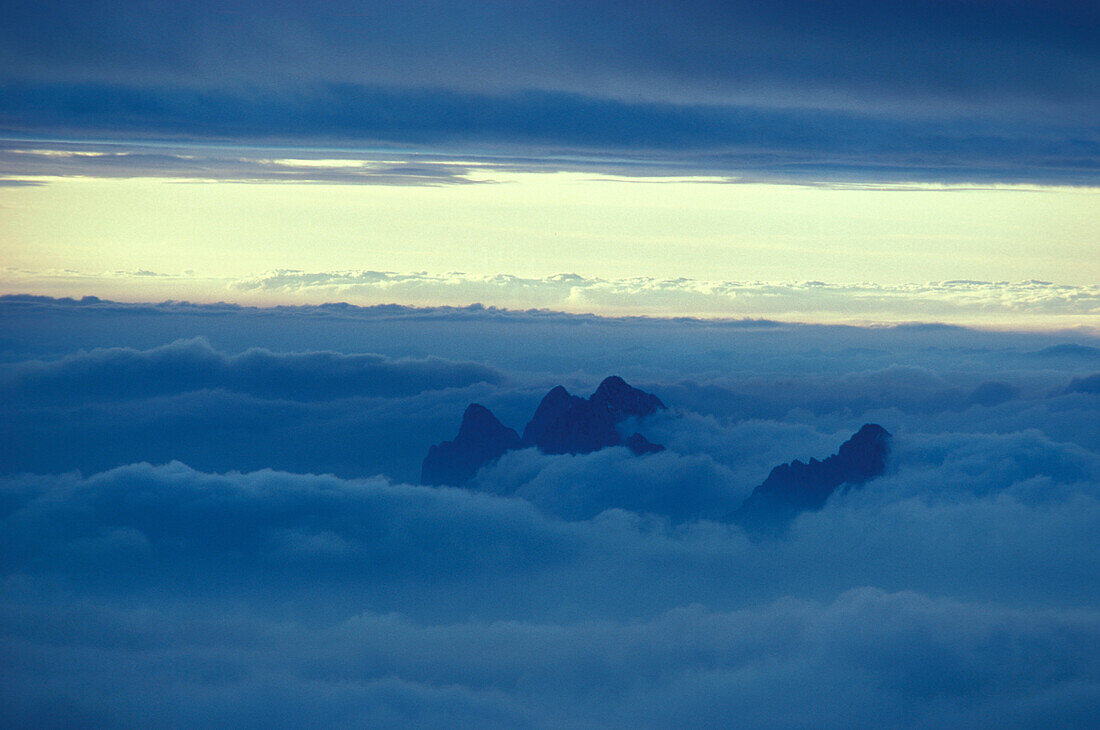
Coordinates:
(210, 517)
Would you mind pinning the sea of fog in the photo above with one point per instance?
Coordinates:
(210, 516)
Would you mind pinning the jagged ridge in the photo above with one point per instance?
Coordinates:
(481, 438)
(562, 424)
(797, 487)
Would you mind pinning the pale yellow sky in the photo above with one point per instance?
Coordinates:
(75, 236)
(536, 224)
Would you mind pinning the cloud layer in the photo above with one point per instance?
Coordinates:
(193, 365)
(390, 583)
(272, 564)
(537, 131)
(645, 295)
(852, 90)
(1022, 303)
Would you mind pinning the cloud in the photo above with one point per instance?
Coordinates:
(529, 130)
(868, 657)
(93, 384)
(846, 55)
(352, 414)
(857, 90)
(270, 566)
(947, 501)
(189, 365)
(230, 598)
(1091, 384)
(649, 295)
(1031, 304)
(331, 421)
(581, 487)
(213, 163)
(1070, 351)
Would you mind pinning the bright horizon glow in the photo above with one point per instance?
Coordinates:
(1021, 306)
(142, 225)
(539, 224)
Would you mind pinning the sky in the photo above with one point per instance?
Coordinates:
(258, 258)
(725, 143)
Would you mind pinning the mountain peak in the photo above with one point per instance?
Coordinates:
(566, 424)
(796, 487)
(612, 383)
(640, 445)
(870, 431)
(554, 406)
(863, 456)
(623, 400)
(477, 417)
(563, 424)
(481, 438)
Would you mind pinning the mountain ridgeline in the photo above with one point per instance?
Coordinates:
(562, 424)
(798, 487)
(567, 424)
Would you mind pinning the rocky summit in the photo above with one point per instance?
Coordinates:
(562, 424)
(797, 487)
(481, 439)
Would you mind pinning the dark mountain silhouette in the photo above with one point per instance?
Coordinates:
(562, 424)
(566, 424)
(553, 408)
(621, 400)
(1090, 384)
(481, 439)
(797, 487)
(639, 444)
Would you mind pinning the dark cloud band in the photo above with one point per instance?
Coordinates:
(553, 130)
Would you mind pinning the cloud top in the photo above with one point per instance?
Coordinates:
(191, 365)
(648, 295)
(206, 520)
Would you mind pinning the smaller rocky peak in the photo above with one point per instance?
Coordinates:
(622, 400)
(481, 439)
(553, 407)
(870, 432)
(478, 422)
(863, 455)
(795, 487)
(558, 393)
(640, 445)
(562, 424)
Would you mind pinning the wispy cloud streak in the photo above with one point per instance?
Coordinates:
(648, 295)
(1022, 303)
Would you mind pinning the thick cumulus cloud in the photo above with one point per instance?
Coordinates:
(145, 527)
(273, 565)
(92, 384)
(581, 487)
(321, 411)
